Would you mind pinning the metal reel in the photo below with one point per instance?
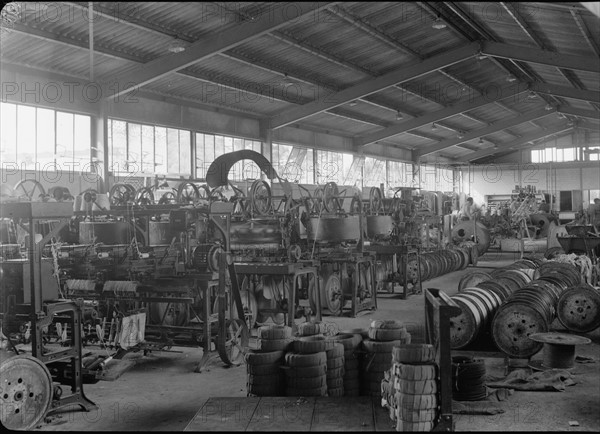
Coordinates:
(144, 196)
(233, 344)
(31, 188)
(121, 194)
(375, 200)
(578, 309)
(25, 392)
(260, 198)
(188, 193)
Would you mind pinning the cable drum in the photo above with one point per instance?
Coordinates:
(468, 379)
(435, 264)
(532, 309)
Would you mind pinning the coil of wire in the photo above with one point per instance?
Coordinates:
(468, 379)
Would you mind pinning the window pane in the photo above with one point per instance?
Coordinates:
(148, 149)
(8, 138)
(308, 168)
(64, 141)
(185, 152)
(219, 145)
(209, 150)
(118, 148)
(228, 145)
(45, 138)
(82, 143)
(238, 144)
(569, 154)
(26, 136)
(160, 150)
(134, 151)
(172, 150)
(200, 168)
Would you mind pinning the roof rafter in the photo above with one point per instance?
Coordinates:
(372, 86)
(203, 48)
(498, 126)
(507, 146)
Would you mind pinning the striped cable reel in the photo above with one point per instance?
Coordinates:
(532, 310)
(438, 263)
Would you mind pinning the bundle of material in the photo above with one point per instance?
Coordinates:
(384, 335)
(264, 373)
(335, 370)
(583, 263)
(351, 378)
(415, 380)
(306, 367)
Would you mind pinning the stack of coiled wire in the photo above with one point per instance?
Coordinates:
(468, 379)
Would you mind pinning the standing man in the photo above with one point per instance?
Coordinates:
(470, 211)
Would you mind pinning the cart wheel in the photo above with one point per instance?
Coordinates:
(233, 344)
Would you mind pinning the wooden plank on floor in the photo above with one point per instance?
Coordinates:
(348, 413)
(289, 413)
(381, 415)
(224, 414)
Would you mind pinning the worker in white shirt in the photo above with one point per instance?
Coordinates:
(469, 210)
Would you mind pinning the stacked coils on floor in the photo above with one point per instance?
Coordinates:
(468, 379)
(351, 378)
(384, 335)
(264, 374)
(411, 392)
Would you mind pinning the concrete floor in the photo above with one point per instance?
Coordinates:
(161, 391)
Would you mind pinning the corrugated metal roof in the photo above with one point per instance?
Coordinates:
(344, 45)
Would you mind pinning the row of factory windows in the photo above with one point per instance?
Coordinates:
(35, 138)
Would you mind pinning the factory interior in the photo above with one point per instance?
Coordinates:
(303, 216)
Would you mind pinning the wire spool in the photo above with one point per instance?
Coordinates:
(472, 279)
(468, 379)
(578, 308)
(559, 349)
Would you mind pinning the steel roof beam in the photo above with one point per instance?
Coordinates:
(506, 146)
(505, 92)
(541, 57)
(205, 47)
(585, 31)
(498, 126)
(589, 114)
(375, 85)
(566, 92)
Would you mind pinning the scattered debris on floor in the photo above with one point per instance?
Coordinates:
(521, 379)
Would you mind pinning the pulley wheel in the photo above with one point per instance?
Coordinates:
(144, 196)
(25, 392)
(331, 202)
(233, 344)
(260, 197)
(30, 188)
(375, 200)
(513, 324)
(121, 194)
(332, 296)
(578, 309)
(187, 193)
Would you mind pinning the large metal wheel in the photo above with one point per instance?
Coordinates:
(144, 196)
(332, 296)
(260, 198)
(317, 200)
(30, 188)
(356, 204)
(168, 198)
(232, 344)
(375, 200)
(121, 194)
(331, 203)
(25, 392)
(188, 193)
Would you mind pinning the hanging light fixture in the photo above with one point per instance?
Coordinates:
(352, 103)
(433, 126)
(531, 95)
(399, 115)
(460, 135)
(438, 24)
(510, 78)
(549, 107)
(480, 141)
(176, 45)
